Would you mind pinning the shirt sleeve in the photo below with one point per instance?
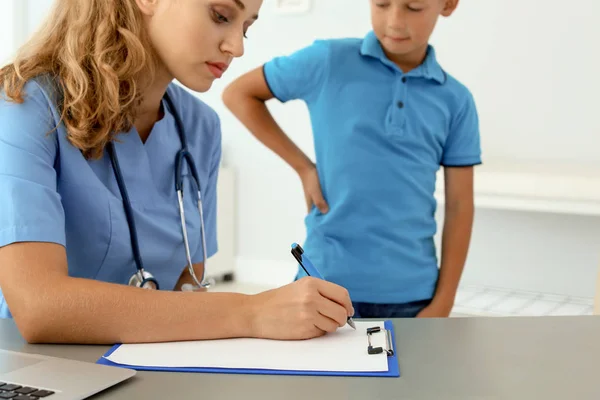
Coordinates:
(463, 146)
(209, 200)
(300, 75)
(30, 206)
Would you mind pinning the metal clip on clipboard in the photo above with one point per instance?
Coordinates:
(388, 339)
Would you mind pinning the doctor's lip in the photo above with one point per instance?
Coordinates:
(217, 69)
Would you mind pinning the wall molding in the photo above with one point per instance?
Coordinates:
(534, 187)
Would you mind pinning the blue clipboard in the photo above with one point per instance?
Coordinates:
(392, 372)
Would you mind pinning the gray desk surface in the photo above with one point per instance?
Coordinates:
(449, 359)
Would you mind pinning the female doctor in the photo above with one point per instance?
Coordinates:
(95, 143)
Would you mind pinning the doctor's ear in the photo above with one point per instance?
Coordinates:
(147, 7)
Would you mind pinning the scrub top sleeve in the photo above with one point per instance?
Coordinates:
(209, 200)
(463, 146)
(300, 75)
(30, 207)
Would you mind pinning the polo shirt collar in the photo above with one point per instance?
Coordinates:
(429, 69)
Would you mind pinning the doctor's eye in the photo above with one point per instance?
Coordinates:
(218, 17)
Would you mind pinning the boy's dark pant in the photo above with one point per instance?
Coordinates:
(404, 310)
(373, 310)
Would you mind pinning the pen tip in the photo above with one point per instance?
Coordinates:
(294, 245)
(351, 323)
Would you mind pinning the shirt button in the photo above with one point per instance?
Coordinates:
(400, 104)
(404, 79)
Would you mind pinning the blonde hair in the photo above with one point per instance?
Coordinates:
(98, 51)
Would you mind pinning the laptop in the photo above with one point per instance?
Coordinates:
(31, 376)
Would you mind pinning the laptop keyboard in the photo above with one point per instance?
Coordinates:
(18, 392)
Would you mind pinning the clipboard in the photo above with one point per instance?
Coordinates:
(392, 361)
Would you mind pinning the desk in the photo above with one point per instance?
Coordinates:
(452, 359)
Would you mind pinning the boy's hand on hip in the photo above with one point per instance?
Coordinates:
(312, 189)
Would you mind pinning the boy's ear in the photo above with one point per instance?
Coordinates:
(449, 7)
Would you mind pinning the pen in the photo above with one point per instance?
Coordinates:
(310, 270)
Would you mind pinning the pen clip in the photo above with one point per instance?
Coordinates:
(297, 252)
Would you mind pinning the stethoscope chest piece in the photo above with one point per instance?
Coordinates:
(144, 280)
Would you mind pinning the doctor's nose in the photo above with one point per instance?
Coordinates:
(233, 44)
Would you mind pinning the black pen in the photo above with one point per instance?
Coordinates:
(310, 269)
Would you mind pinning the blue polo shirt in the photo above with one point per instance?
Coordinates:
(380, 136)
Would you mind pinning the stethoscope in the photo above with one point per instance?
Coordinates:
(142, 278)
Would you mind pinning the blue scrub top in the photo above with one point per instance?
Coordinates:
(380, 136)
(50, 193)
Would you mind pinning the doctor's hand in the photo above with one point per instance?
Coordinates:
(312, 189)
(304, 309)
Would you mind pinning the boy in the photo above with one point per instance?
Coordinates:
(385, 116)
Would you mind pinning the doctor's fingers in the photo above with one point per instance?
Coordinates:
(333, 311)
(335, 293)
(325, 323)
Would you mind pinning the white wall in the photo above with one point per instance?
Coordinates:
(8, 31)
(534, 73)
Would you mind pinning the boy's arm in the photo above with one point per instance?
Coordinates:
(246, 98)
(462, 151)
(456, 237)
